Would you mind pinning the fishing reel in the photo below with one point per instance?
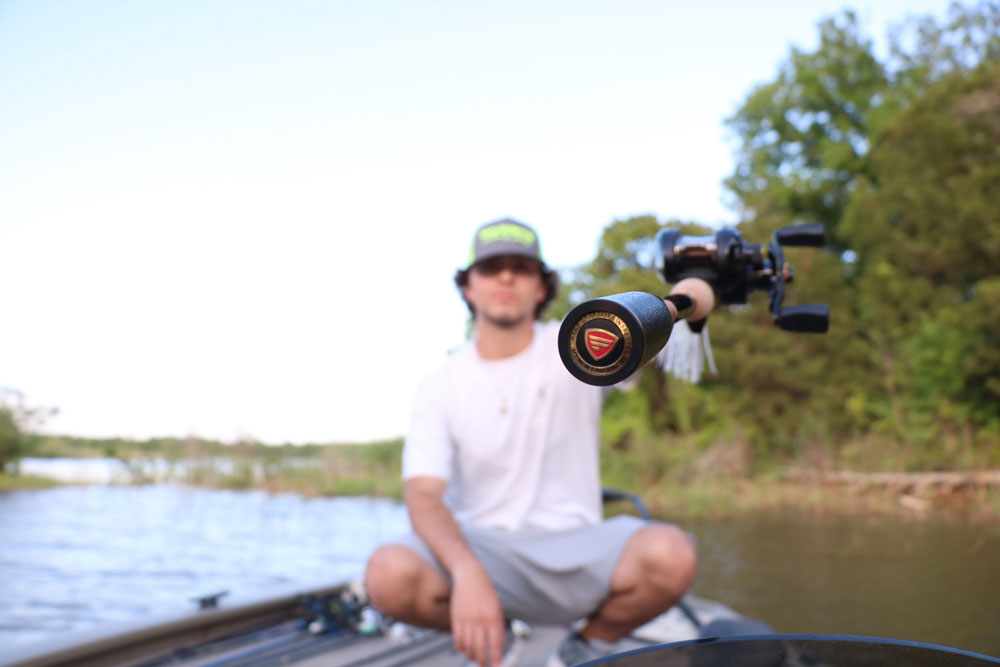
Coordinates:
(603, 341)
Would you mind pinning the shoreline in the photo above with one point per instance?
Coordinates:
(967, 496)
(724, 499)
(9, 482)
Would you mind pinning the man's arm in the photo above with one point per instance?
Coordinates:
(434, 522)
(477, 623)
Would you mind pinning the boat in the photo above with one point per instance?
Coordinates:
(326, 625)
(332, 626)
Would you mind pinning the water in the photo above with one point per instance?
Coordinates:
(932, 581)
(82, 557)
(77, 558)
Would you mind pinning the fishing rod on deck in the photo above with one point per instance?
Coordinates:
(605, 340)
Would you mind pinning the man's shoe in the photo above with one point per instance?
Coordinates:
(575, 650)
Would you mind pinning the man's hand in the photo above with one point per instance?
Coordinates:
(477, 624)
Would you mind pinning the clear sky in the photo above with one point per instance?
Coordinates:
(241, 218)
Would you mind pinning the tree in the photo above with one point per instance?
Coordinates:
(901, 161)
(928, 235)
(805, 136)
(15, 419)
(11, 438)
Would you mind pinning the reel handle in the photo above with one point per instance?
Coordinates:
(605, 340)
(808, 318)
(813, 235)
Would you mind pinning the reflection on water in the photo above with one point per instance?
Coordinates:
(936, 582)
(79, 557)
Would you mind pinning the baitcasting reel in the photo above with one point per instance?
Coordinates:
(603, 341)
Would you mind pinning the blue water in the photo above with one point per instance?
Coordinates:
(85, 557)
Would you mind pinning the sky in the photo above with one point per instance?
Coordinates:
(238, 220)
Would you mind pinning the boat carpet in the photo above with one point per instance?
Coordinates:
(429, 649)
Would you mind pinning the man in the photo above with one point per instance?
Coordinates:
(503, 487)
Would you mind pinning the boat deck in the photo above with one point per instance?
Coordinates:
(427, 649)
(319, 627)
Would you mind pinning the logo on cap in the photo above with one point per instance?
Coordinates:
(507, 231)
(599, 342)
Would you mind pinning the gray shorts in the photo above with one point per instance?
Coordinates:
(550, 578)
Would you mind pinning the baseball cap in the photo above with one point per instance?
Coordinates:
(504, 237)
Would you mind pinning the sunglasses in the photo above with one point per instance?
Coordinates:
(521, 266)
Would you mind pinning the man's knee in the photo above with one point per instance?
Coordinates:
(392, 577)
(667, 557)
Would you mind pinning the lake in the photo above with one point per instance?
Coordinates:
(83, 557)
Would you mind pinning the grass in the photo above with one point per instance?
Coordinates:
(677, 477)
(340, 470)
(684, 478)
(18, 482)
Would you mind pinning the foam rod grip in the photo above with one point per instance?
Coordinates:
(603, 341)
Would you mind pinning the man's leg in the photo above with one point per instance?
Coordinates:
(656, 567)
(406, 587)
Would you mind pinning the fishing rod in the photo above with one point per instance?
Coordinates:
(605, 340)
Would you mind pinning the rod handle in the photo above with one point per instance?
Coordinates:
(605, 340)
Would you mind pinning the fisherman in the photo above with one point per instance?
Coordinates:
(502, 483)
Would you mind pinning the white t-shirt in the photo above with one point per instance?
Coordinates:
(516, 439)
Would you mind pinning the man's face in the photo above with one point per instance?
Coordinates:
(505, 290)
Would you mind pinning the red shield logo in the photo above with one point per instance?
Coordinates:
(599, 342)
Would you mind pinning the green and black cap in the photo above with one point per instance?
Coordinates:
(505, 237)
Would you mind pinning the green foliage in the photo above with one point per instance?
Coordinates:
(20, 482)
(330, 469)
(11, 438)
(912, 191)
(953, 361)
(901, 161)
(970, 36)
(17, 419)
(805, 135)
(173, 449)
(623, 263)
